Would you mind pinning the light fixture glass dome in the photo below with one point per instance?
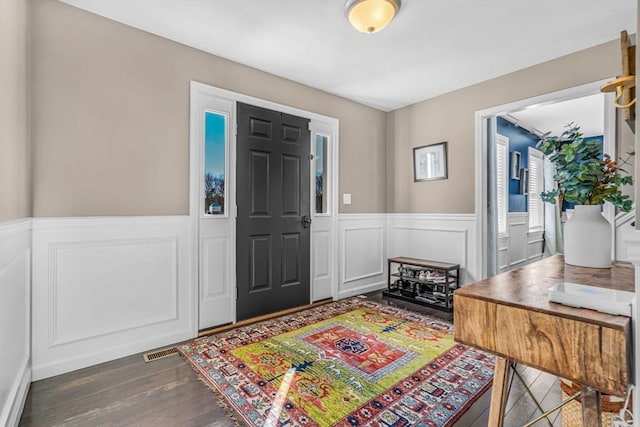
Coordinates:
(370, 16)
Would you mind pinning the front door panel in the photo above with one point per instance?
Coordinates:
(272, 197)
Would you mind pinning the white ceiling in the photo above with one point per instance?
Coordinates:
(587, 112)
(430, 48)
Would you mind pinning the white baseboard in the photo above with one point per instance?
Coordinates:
(362, 290)
(86, 359)
(19, 393)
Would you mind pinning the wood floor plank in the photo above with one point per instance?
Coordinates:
(160, 393)
(524, 409)
(476, 411)
(167, 392)
(118, 388)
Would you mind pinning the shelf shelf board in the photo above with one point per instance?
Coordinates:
(424, 263)
(436, 305)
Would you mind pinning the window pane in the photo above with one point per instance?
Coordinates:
(321, 170)
(215, 136)
(536, 186)
(502, 183)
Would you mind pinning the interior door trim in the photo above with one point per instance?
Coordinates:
(482, 118)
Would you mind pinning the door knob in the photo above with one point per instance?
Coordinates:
(306, 221)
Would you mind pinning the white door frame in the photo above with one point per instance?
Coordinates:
(481, 117)
(195, 178)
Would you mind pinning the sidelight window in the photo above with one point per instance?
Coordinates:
(215, 156)
(320, 174)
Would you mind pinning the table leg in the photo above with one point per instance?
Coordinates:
(591, 413)
(499, 392)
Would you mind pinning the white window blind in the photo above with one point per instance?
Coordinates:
(536, 186)
(502, 182)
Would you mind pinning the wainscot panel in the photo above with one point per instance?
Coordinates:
(15, 315)
(518, 226)
(436, 237)
(625, 229)
(105, 288)
(362, 254)
(321, 247)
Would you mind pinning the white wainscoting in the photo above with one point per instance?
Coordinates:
(519, 246)
(15, 318)
(217, 277)
(503, 253)
(436, 237)
(535, 245)
(362, 254)
(624, 231)
(322, 247)
(108, 287)
(518, 225)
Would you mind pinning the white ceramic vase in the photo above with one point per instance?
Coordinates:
(587, 238)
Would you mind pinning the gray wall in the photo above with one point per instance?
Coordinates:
(451, 117)
(110, 128)
(111, 121)
(15, 186)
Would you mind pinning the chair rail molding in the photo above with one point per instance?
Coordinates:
(108, 287)
(15, 318)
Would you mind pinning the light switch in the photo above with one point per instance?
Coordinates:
(346, 198)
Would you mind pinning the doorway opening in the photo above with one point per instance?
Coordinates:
(218, 174)
(512, 223)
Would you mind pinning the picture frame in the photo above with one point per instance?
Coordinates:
(515, 165)
(524, 181)
(430, 162)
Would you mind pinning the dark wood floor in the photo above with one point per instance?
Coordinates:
(167, 392)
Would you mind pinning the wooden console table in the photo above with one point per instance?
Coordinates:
(510, 315)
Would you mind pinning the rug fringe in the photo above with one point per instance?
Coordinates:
(222, 402)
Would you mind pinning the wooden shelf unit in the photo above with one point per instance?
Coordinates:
(429, 283)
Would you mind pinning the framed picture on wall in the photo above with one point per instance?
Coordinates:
(430, 162)
(524, 181)
(515, 165)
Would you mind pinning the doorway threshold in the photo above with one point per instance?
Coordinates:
(223, 328)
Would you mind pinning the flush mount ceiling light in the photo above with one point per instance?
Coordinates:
(370, 16)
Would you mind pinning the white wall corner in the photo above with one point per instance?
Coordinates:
(15, 318)
(632, 241)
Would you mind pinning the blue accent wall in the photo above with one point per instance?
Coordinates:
(519, 140)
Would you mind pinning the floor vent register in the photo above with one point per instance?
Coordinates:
(160, 354)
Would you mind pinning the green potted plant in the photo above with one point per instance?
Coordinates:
(586, 176)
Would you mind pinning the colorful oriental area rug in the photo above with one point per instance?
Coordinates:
(349, 363)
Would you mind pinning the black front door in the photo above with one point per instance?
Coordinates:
(272, 249)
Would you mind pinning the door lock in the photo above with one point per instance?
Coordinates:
(306, 221)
